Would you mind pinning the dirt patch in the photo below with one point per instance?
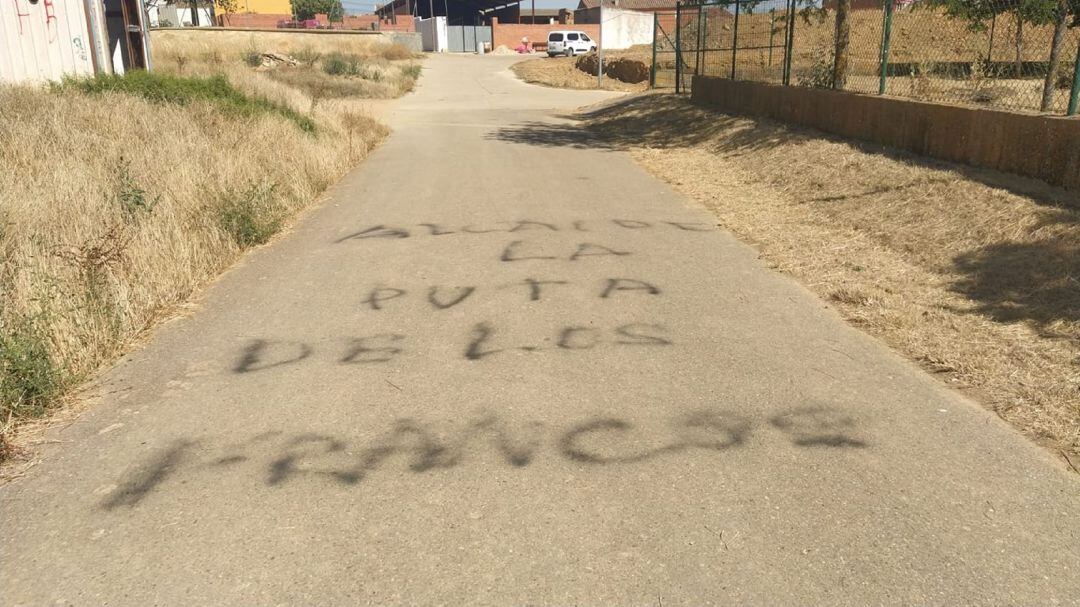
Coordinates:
(624, 69)
(972, 274)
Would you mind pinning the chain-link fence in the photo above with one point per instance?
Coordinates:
(1011, 54)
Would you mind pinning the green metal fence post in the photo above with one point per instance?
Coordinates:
(655, 27)
(886, 35)
(703, 39)
(700, 39)
(735, 39)
(678, 47)
(789, 42)
(1074, 96)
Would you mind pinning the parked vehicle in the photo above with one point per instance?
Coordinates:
(569, 43)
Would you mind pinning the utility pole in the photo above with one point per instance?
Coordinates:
(600, 50)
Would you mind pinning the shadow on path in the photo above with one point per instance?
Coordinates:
(1034, 278)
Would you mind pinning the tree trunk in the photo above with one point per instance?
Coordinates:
(1055, 54)
(843, 37)
(1019, 45)
(194, 6)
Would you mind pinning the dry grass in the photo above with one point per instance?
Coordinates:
(114, 209)
(215, 47)
(385, 71)
(972, 274)
(373, 80)
(560, 72)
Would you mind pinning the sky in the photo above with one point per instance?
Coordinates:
(367, 6)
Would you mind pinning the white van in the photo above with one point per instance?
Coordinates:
(569, 43)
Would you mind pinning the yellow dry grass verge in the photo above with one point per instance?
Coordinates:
(217, 46)
(388, 70)
(114, 210)
(975, 275)
(560, 72)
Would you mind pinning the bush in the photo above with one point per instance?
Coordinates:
(337, 64)
(253, 58)
(1063, 80)
(819, 74)
(395, 51)
(251, 217)
(164, 88)
(29, 377)
(307, 9)
(130, 196)
(307, 56)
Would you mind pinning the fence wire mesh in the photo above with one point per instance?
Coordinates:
(664, 54)
(1009, 54)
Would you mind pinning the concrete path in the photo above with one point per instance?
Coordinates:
(502, 365)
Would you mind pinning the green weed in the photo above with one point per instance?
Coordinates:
(250, 217)
(29, 377)
(164, 88)
(132, 199)
(338, 64)
(252, 56)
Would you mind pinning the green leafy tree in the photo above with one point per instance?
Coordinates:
(307, 9)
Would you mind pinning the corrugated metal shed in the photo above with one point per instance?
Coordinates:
(44, 40)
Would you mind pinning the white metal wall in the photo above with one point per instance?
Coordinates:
(44, 40)
(432, 34)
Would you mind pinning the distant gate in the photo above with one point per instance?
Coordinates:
(664, 51)
(463, 38)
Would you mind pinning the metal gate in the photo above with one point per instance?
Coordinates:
(663, 51)
(463, 38)
(737, 39)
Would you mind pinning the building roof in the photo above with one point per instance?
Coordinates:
(630, 5)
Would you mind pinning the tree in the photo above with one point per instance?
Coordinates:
(842, 40)
(229, 7)
(1061, 22)
(1034, 12)
(307, 9)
